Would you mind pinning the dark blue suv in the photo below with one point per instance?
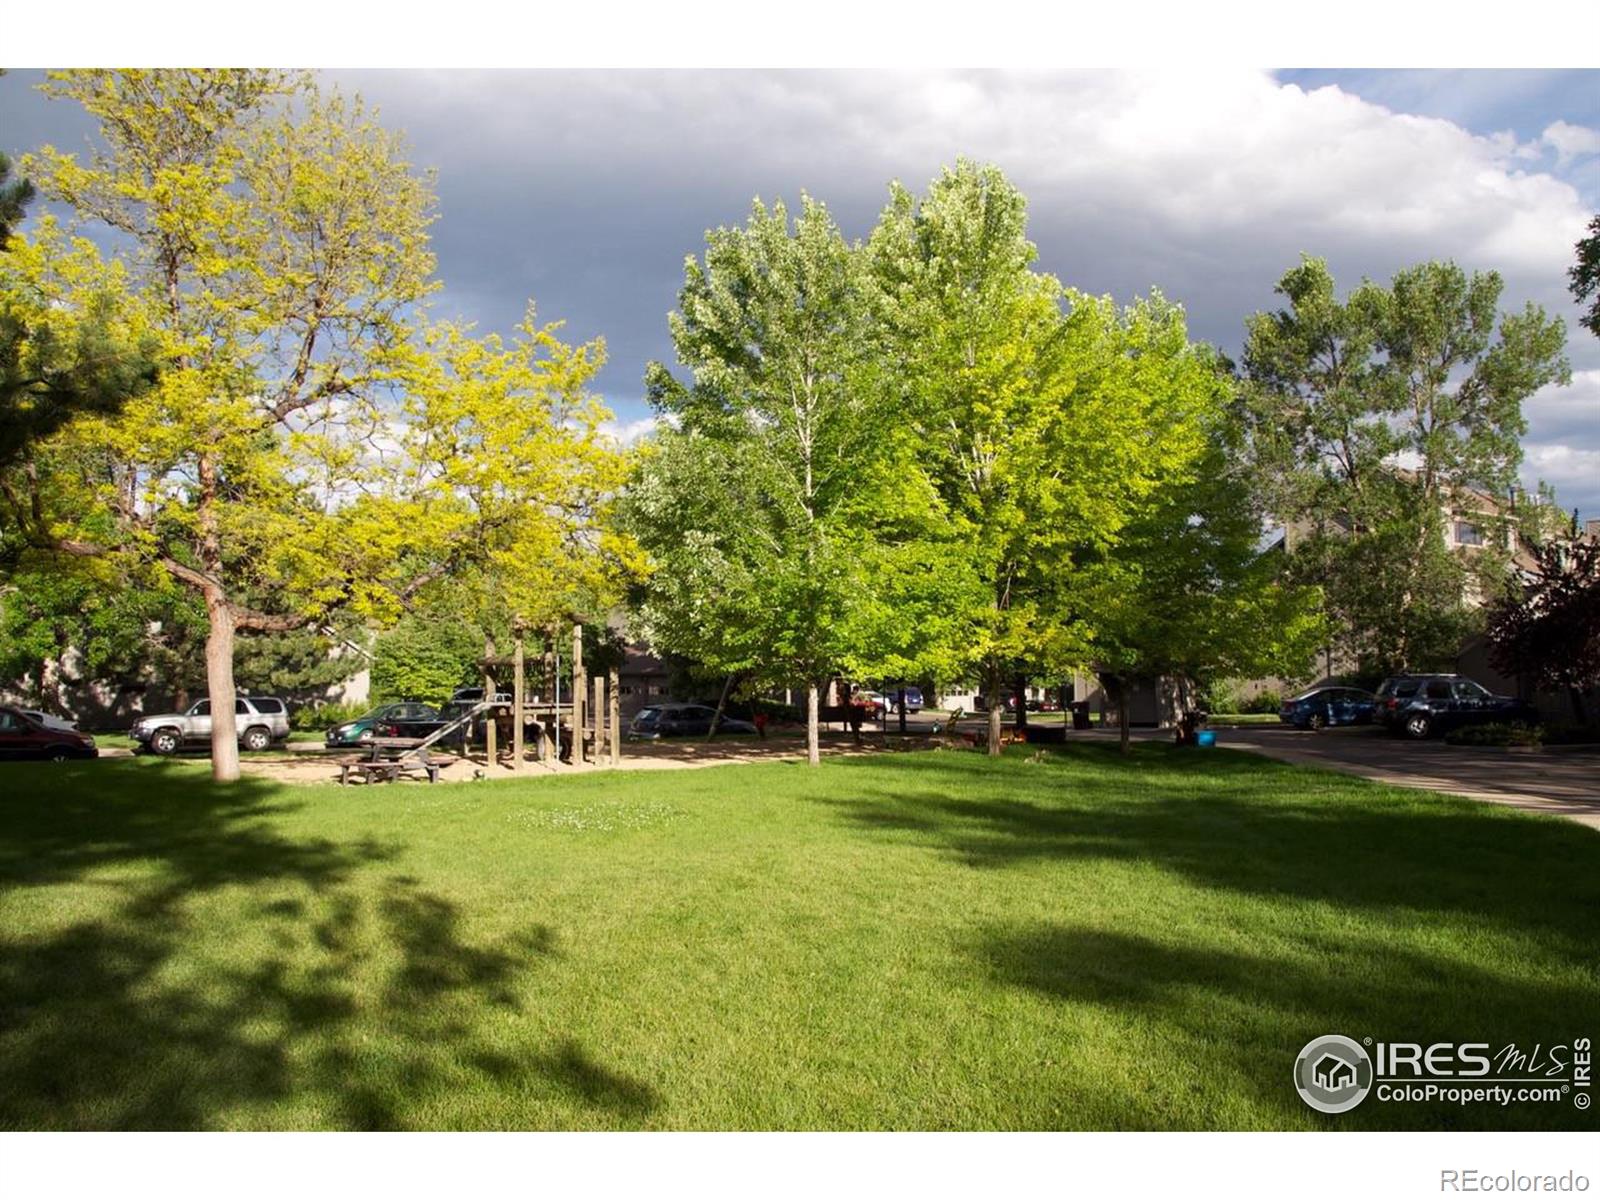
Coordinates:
(1422, 705)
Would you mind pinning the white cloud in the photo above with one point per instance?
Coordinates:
(626, 433)
(1571, 141)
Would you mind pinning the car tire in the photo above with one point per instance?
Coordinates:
(58, 754)
(165, 742)
(1418, 726)
(1316, 722)
(256, 738)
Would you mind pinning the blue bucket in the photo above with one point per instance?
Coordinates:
(1205, 737)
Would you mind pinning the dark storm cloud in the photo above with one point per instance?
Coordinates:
(585, 191)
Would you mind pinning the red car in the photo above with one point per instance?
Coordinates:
(23, 737)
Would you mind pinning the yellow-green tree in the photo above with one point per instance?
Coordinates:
(1044, 419)
(276, 239)
(503, 478)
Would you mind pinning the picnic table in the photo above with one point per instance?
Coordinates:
(391, 759)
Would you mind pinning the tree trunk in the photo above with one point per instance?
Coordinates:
(722, 703)
(1575, 694)
(1122, 718)
(1022, 702)
(813, 750)
(997, 709)
(900, 704)
(220, 689)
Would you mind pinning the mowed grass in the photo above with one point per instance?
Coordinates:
(932, 941)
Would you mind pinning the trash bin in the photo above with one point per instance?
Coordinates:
(1080, 714)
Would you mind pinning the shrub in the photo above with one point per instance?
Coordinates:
(1219, 696)
(1268, 701)
(424, 660)
(1568, 733)
(1496, 733)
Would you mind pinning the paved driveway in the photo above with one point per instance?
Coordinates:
(1555, 780)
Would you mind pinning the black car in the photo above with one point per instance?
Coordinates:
(1325, 706)
(1422, 705)
(682, 720)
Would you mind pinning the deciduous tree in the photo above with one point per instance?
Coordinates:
(281, 249)
(1372, 416)
(1042, 418)
(1550, 634)
(757, 498)
(1584, 277)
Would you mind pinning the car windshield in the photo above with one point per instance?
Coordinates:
(1469, 690)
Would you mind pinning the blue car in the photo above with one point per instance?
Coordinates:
(1325, 706)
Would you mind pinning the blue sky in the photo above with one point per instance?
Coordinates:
(584, 191)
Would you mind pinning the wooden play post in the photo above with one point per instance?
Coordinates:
(580, 685)
(518, 695)
(548, 738)
(490, 738)
(615, 687)
(599, 718)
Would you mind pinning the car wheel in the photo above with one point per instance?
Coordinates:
(1418, 725)
(58, 754)
(164, 741)
(1316, 723)
(257, 738)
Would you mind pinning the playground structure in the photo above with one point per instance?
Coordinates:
(585, 724)
(591, 717)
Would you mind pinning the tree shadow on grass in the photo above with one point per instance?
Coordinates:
(187, 964)
(1234, 1021)
(1251, 826)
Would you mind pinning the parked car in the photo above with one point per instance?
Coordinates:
(875, 704)
(980, 703)
(47, 720)
(1328, 706)
(681, 720)
(1422, 705)
(913, 699)
(362, 730)
(23, 737)
(261, 720)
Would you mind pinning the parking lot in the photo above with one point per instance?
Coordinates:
(1554, 780)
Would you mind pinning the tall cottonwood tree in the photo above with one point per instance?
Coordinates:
(1372, 415)
(277, 238)
(755, 499)
(1043, 419)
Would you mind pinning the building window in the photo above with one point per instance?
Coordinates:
(1468, 534)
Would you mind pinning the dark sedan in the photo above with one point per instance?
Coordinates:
(22, 737)
(1326, 706)
(361, 731)
(681, 720)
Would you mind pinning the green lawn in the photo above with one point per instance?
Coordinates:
(925, 940)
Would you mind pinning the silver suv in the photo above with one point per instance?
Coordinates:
(261, 721)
